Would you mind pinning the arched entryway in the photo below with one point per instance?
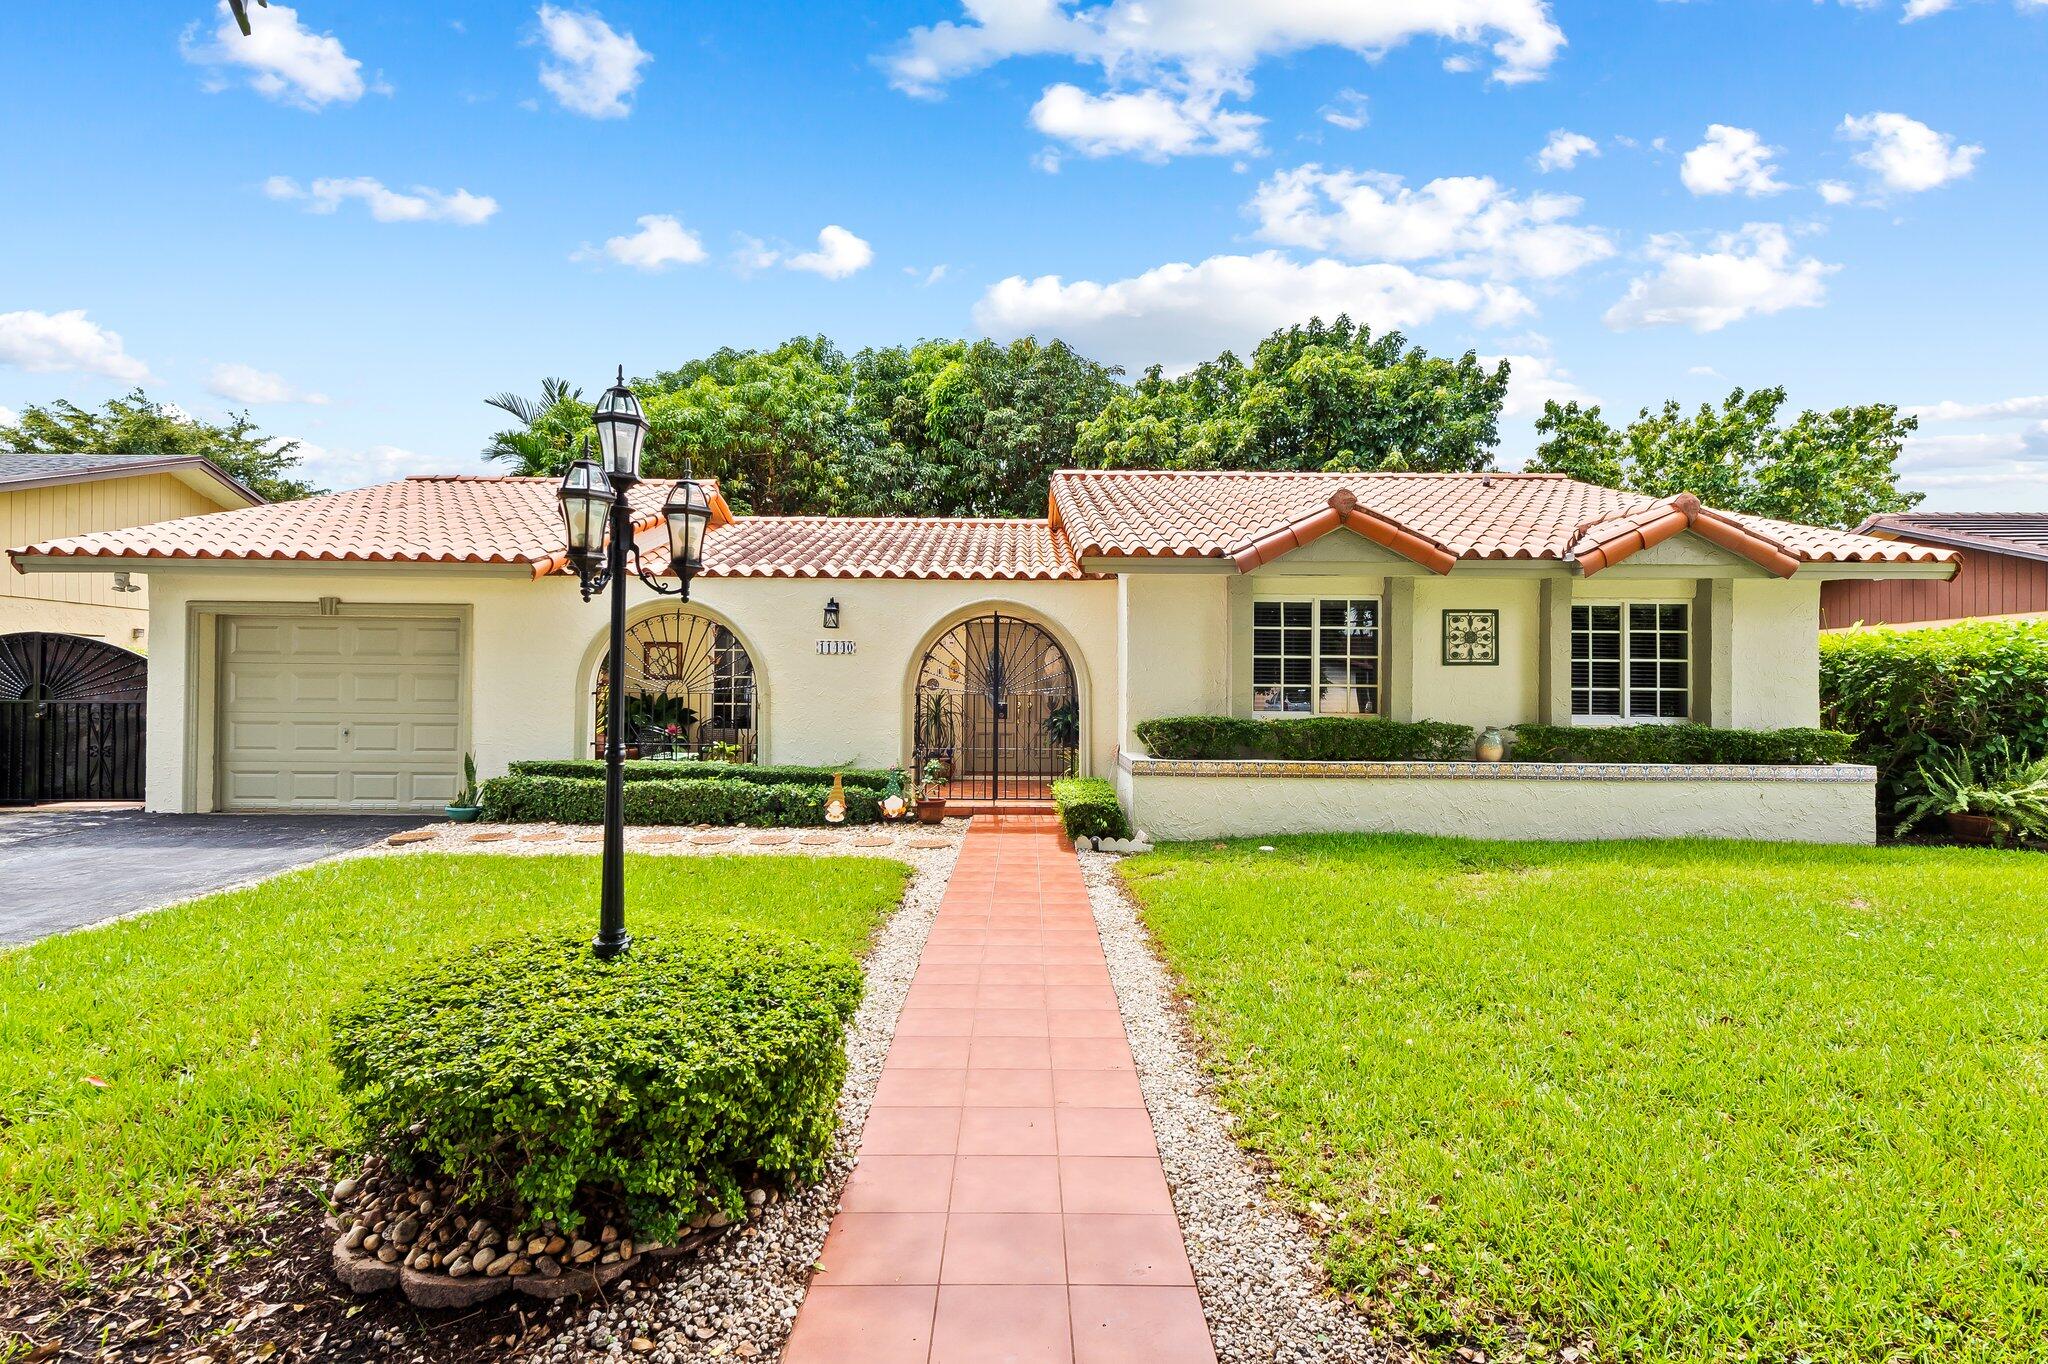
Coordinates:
(71, 719)
(690, 690)
(997, 712)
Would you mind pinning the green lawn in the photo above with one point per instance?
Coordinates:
(1697, 1101)
(207, 1021)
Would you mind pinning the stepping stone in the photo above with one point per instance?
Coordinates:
(590, 838)
(929, 843)
(819, 840)
(411, 836)
(665, 837)
(491, 836)
(874, 841)
(543, 836)
(773, 840)
(713, 839)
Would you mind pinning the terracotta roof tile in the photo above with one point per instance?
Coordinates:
(885, 547)
(434, 519)
(1113, 513)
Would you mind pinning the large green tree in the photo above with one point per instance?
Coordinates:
(136, 425)
(1824, 468)
(973, 427)
(1314, 397)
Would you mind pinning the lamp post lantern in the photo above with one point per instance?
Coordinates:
(597, 522)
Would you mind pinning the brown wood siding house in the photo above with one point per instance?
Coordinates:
(2004, 572)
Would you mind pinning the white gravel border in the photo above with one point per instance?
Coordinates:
(738, 1298)
(1262, 1284)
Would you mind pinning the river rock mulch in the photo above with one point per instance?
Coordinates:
(263, 1287)
(1263, 1289)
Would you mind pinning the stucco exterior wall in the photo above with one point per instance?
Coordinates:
(532, 649)
(1774, 654)
(1498, 694)
(1174, 647)
(1176, 807)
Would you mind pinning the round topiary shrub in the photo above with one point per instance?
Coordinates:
(532, 1074)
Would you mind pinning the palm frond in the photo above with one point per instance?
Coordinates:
(523, 409)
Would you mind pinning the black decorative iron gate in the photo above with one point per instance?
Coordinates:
(71, 719)
(689, 690)
(998, 714)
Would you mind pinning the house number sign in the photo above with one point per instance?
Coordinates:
(835, 646)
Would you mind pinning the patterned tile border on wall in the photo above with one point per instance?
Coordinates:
(1500, 771)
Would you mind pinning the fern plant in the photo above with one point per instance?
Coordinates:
(2008, 788)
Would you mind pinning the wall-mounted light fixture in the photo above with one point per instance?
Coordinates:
(832, 613)
(123, 583)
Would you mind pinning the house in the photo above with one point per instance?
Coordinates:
(346, 650)
(2003, 573)
(72, 668)
(45, 497)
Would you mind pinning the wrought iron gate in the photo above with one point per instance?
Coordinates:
(689, 690)
(998, 714)
(71, 719)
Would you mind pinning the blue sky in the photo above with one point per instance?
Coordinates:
(373, 214)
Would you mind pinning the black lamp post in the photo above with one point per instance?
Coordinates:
(598, 519)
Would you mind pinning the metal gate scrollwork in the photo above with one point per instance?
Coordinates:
(998, 713)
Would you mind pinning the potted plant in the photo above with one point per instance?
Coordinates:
(931, 805)
(938, 739)
(1063, 724)
(464, 809)
(1997, 797)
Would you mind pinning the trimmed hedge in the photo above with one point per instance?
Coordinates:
(1676, 744)
(661, 1081)
(566, 800)
(1353, 737)
(645, 769)
(1088, 808)
(1908, 693)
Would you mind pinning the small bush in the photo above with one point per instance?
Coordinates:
(1352, 737)
(649, 769)
(1089, 808)
(1676, 744)
(564, 800)
(662, 1080)
(1909, 694)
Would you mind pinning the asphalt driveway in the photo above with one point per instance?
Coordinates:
(61, 870)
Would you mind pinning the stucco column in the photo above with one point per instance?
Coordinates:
(1713, 635)
(1554, 651)
(1397, 692)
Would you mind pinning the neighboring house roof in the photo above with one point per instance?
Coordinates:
(1436, 519)
(2024, 534)
(1247, 518)
(37, 470)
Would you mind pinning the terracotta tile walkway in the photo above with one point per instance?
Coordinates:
(1009, 1203)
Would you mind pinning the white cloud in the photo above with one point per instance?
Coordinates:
(1467, 222)
(8, 416)
(1564, 149)
(2006, 471)
(752, 254)
(596, 69)
(1347, 111)
(386, 205)
(331, 468)
(1215, 44)
(1150, 124)
(839, 254)
(2003, 408)
(1703, 371)
(1181, 314)
(661, 242)
(282, 58)
(927, 278)
(240, 383)
(1836, 192)
(1731, 160)
(1905, 154)
(1747, 273)
(58, 343)
(1534, 380)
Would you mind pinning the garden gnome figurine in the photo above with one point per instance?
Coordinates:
(835, 804)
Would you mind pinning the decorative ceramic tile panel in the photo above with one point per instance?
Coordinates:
(1471, 639)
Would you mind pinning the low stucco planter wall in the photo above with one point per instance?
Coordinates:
(1173, 798)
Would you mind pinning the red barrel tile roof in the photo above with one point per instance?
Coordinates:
(1246, 517)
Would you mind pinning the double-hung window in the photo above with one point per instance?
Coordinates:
(1316, 655)
(1631, 661)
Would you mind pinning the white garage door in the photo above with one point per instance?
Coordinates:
(326, 713)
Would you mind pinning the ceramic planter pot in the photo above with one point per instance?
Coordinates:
(1965, 828)
(1489, 749)
(931, 810)
(463, 814)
